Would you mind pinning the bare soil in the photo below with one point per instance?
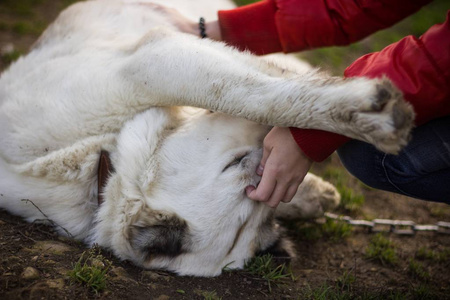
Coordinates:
(35, 261)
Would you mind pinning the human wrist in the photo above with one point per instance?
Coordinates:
(317, 144)
(212, 30)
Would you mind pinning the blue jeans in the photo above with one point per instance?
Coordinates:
(421, 170)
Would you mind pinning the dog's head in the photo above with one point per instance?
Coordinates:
(177, 200)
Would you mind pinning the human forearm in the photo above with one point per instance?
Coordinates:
(289, 26)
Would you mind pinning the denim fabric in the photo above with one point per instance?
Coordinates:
(421, 170)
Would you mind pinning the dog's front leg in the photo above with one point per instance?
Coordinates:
(170, 69)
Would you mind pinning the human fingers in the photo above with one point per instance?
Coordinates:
(265, 188)
(284, 191)
(278, 195)
(291, 191)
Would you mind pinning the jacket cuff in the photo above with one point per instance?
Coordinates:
(417, 67)
(317, 144)
(251, 27)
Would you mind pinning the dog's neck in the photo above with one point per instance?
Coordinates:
(105, 168)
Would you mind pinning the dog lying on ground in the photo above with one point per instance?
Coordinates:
(183, 121)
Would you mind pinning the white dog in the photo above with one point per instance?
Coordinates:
(115, 75)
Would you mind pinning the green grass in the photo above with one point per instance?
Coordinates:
(351, 200)
(417, 270)
(3, 26)
(91, 270)
(305, 231)
(342, 289)
(334, 292)
(382, 250)
(10, 57)
(28, 28)
(326, 292)
(211, 295)
(344, 282)
(336, 175)
(22, 8)
(444, 255)
(27, 16)
(66, 3)
(336, 230)
(433, 255)
(426, 254)
(264, 267)
(244, 2)
(207, 295)
(439, 212)
(423, 292)
(396, 295)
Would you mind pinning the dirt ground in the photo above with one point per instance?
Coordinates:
(35, 261)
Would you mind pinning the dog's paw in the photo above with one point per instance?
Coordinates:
(328, 196)
(382, 118)
(313, 198)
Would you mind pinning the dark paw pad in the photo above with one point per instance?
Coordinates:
(381, 98)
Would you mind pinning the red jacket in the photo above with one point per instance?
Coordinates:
(418, 67)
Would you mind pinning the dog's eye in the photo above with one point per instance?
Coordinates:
(236, 161)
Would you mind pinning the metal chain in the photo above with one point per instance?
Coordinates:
(400, 227)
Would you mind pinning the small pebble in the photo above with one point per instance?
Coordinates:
(30, 273)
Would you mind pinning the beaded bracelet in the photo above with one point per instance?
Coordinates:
(202, 27)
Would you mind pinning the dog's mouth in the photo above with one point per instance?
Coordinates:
(248, 164)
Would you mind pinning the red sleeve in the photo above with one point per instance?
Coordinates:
(293, 25)
(418, 67)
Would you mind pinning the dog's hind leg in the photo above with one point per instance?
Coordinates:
(209, 75)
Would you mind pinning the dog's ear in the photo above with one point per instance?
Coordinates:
(159, 234)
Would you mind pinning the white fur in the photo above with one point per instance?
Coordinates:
(116, 75)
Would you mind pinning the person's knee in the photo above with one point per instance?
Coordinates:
(364, 162)
(417, 171)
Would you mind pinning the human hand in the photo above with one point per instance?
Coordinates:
(184, 24)
(283, 167)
